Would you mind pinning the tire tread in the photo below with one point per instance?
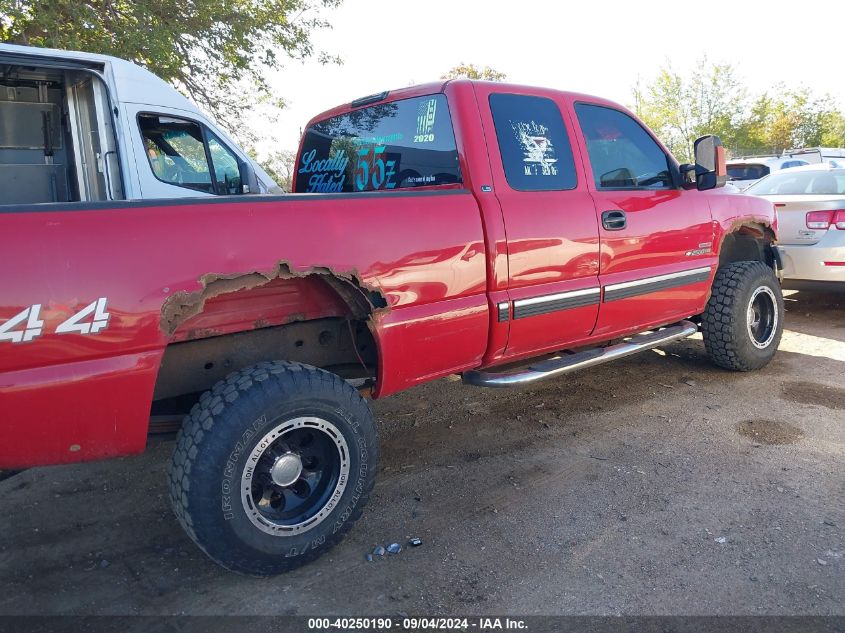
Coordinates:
(281, 377)
(722, 338)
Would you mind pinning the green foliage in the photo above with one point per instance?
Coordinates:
(280, 166)
(833, 129)
(710, 100)
(788, 119)
(471, 71)
(216, 51)
(679, 110)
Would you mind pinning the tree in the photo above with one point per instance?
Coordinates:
(216, 51)
(833, 134)
(471, 71)
(680, 109)
(795, 118)
(281, 165)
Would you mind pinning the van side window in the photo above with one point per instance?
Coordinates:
(622, 154)
(176, 151)
(793, 163)
(227, 171)
(535, 149)
(180, 155)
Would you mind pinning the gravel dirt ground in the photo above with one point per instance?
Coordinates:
(653, 485)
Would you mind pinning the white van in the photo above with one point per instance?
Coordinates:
(83, 127)
(744, 172)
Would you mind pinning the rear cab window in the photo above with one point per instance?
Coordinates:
(384, 147)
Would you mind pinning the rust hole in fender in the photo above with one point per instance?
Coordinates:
(364, 301)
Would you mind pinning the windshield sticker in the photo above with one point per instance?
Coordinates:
(377, 140)
(374, 171)
(538, 151)
(425, 121)
(327, 175)
(419, 181)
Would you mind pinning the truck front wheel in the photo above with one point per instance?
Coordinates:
(273, 466)
(743, 321)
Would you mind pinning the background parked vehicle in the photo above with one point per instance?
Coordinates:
(82, 127)
(810, 202)
(833, 155)
(743, 172)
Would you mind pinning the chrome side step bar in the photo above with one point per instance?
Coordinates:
(573, 362)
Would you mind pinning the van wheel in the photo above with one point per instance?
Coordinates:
(743, 321)
(273, 466)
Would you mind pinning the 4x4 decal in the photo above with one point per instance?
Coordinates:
(33, 325)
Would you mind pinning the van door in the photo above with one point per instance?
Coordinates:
(549, 217)
(657, 251)
(57, 136)
(94, 145)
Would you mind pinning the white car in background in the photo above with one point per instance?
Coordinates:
(744, 172)
(810, 203)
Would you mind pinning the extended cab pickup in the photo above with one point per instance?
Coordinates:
(501, 232)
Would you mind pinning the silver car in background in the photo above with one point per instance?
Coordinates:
(810, 203)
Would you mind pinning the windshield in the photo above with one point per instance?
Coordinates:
(389, 146)
(747, 172)
(792, 183)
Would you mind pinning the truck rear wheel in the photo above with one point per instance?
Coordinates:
(273, 466)
(743, 321)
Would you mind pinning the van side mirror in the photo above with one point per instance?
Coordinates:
(710, 163)
(249, 181)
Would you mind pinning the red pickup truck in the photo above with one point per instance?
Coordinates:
(501, 232)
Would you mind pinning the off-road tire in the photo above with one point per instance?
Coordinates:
(222, 433)
(728, 338)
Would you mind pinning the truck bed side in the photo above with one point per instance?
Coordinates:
(161, 267)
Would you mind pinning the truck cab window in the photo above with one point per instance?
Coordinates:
(176, 151)
(622, 154)
(394, 145)
(535, 149)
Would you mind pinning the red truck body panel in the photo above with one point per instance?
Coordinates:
(69, 397)
(439, 261)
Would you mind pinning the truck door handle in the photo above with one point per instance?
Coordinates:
(614, 220)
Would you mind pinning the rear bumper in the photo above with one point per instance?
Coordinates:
(815, 262)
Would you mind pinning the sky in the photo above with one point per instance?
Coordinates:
(599, 47)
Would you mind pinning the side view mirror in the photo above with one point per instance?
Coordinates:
(249, 181)
(710, 169)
